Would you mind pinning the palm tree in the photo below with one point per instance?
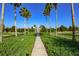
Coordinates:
(2, 22)
(55, 6)
(26, 14)
(15, 6)
(47, 10)
(73, 22)
(46, 13)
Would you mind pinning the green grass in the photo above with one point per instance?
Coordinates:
(17, 46)
(62, 45)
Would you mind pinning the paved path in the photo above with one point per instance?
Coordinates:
(39, 49)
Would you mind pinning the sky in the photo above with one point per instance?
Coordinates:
(37, 18)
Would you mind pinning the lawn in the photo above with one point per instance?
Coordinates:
(62, 45)
(17, 46)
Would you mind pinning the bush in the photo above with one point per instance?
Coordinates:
(42, 28)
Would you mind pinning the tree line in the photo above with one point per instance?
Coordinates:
(62, 28)
(12, 29)
(42, 27)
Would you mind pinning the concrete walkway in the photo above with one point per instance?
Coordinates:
(39, 49)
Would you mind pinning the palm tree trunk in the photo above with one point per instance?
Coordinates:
(49, 25)
(46, 25)
(25, 26)
(28, 26)
(15, 20)
(56, 21)
(2, 22)
(73, 22)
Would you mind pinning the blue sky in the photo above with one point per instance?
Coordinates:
(37, 18)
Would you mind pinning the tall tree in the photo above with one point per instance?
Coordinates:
(26, 14)
(46, 13)
(73, 22)
(55, 6)
(2, 21)
(15, 6)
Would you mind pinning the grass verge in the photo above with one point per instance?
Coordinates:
(17, 46)
(62, 45)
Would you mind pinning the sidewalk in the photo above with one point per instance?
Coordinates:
(39, 49)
